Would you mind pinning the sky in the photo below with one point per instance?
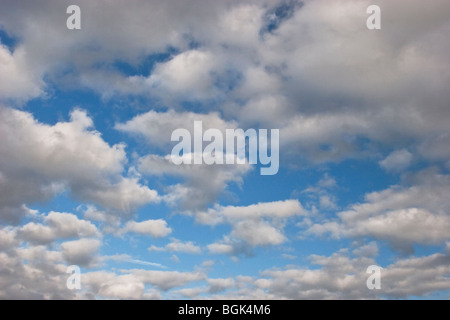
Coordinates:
(86, 178)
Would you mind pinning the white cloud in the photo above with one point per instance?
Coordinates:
(261, 224)
(259, 233)
(7, 238)
(179, 246)
(187, 74)
(367, 250)
(322, 103)
(38, 161)
(166, 280)
(33, 273)
(157, 127)
(203, 183)
(57, 226)
(401, 215)
(338, 276)
(240, 25)
(123, 287)
(221, 248)
(151, 228)
(110, 223)
(219, 285)
(397, 160)
(17, 81)
(276, 209)
(125, 196)
(81, 252)
(130, 284)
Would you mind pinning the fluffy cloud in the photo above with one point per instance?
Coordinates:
(110, 223)
(255, 225)
(81, 252)
(130, 284)
(274, 210)
(38, 161)
(41, 277)
(123, 287)
(166, 280)
(401, 215)
(188, 74)
(157, 127)
(203, 183)
(397, 160)
(349, 83)
(16, 80)
(152, 228)
(179, 246)
(341, 277)
(258, 233)
(338, 276)
(219, 285)
(57, 226)
(8, 238)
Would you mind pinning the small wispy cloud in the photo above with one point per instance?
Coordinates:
(128, 259)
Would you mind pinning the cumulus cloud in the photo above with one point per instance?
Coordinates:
(152, 228)
(33, 273)
(39, 161)
(123, 287)
(109, 223)
(157, 127)
(221, 248)
(401, 215)
(57, 226)
(130, 284)
(16, 79)
(166, 280)
(8, 238)
(178, 246)
(348, 84)
(397, 160)
(260, 224)
(341, 275)
(276, 209)
(338, 276)
(81, 252)
(258, 233)
(187, 74)
(202, 183)
(219, 285)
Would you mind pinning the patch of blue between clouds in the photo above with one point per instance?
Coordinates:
(277, 15)
(7, 40)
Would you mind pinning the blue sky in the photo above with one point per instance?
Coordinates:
(86, 118)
